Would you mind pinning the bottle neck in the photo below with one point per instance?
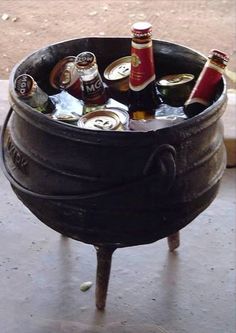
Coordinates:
(141, 40)
(216, 65)
(142, 64)
(204, 89)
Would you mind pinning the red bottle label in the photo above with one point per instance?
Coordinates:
(142, 66)
(204, 89)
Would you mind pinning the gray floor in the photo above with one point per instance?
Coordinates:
(151, 290)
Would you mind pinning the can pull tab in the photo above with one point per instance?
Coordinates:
(124, 69)
(103, 124)
(162, 160)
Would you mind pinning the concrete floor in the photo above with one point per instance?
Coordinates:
(151, 290)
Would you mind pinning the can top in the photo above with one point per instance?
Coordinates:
(118, 69)
(175, 79)
(85, 59)
(141, 29)
(100, 120)
(61, 74)
(218, 55)
(25, 85)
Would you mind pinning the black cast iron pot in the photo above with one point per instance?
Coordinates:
(114, 188)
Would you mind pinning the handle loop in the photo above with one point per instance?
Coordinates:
(163, 159)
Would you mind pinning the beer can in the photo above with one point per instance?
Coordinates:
(64, 76)
(176, 88)
(117, 74)
(102, 119)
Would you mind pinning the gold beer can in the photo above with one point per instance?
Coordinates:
(103, 119)
(61, 74)
(64, 77)
(117, 74)
(176, 88)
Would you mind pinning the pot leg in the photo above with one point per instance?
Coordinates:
(173, 241)
(104, 258)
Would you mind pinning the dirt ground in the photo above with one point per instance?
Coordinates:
(27, 25)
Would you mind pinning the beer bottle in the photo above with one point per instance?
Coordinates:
(143, 94)
(92, 86)
(28, 90)
(204, 90)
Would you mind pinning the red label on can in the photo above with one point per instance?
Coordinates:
(206, 84)
(142, 66)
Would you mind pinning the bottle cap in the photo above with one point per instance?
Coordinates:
(141, 29)
(24, 85)
(216, 54)
(85, 59)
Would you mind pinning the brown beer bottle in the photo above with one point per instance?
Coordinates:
(205, 87)
(92, 86)
(93, 91)
(143, 94)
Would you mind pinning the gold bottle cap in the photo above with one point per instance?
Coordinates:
(25, 85)
(217, 55)
(141, 29)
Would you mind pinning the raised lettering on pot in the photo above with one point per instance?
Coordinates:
(17, 157)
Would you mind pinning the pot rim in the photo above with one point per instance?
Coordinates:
(209, 115)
